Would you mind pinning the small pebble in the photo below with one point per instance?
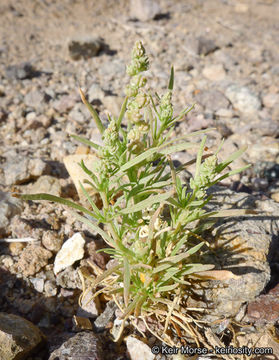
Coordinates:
(71, 251)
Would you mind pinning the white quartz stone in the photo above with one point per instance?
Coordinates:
(71, 251)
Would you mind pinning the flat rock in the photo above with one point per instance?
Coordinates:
(71, 251)
(18, 337)
(84, 47)
(112, 67)
(138, 350)
(83, 345)
(9, 206)
(75, 171)
(69, 279)
(35, 99)
(45, 184)
(144, 10)
(265, 309)
(212, 100)
(65, 103)
(242, 245)
(215, 72)
(95, 92)
(88, 306)
(105, 317)
(52, 241)
(32, 259)
(270, 100)
(206, 46)
(21, 71)
(243, 99)
(19, 169)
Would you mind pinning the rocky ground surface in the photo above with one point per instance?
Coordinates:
(226, 59)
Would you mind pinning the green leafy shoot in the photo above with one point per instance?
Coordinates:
(152, 222)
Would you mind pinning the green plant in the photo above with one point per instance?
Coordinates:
(152, 221)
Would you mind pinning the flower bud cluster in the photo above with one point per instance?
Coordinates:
(166, 108)
(111, 138)
(111, 145)
(104, 169)
(134, 108)
(139, 61)
(206, 176)
(136, 83)
(138, 99)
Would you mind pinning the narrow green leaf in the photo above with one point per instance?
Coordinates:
(99, 215)
(171, 81)
(167, 287)
(180, 243)
(89, 172)
(193, 134)
(195, 248)
(93, 112)
(91, 184)
(175, 259)
(169, 273)
(122, 112)
(127, 279)
(195, 268)
(105, 274)
(181, 114)
(230, 159)
(56, 199)
(85, 141)
(183, 282)
(173, 202)
(142, 191)
(110, 251)
(175, 148)
(110, 241)
(230, 173)
(147, 203)
(138, 159)
(234, 212)
(132, 306)
(199, 158)
(135, 191)
(219, 147)
(161, 268)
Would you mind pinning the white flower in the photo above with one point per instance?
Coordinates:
(143, 231)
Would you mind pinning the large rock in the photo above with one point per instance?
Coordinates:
(33, 258)
(69, 279)
(243, 99)
(241, 245)
(35, 99)
(105, 317)
(212, 99)
(18, 337)
(138, 350)
(71, 163)
(19, 169)
(45, 184)
(84, 47)
(214, 72)
(21, 71)
(144, 10)
(84, 345)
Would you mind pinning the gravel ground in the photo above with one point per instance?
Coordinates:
(225, 54)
